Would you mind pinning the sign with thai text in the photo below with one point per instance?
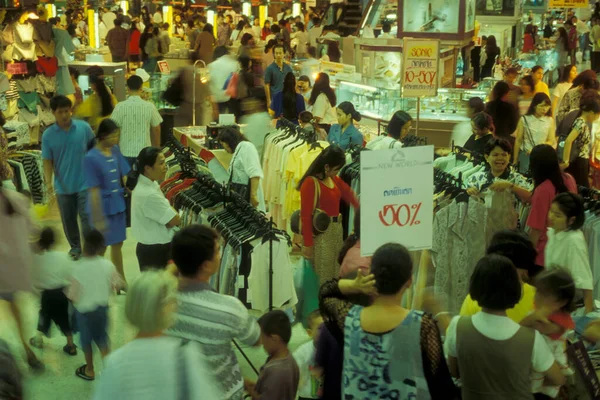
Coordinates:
(420, 67)
(568, 3)
(396, 202)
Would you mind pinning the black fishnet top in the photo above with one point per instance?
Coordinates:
(334, 307)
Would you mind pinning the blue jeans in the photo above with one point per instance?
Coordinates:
(71, 206)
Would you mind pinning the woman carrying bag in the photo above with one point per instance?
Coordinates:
(320, 193)
(106, 172)
(536, 127)
(245, 171)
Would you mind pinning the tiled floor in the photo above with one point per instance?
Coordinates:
(59, 380)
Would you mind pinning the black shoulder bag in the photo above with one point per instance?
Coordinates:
(243, 189)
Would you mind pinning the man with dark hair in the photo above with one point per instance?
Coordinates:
(64, 145)
(138, 119)
(220, 69)
(205, 316)
(276, 72)
(117, 39)
(386, 28)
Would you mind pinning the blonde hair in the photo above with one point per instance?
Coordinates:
(147, 299)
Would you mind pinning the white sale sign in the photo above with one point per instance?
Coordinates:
(396, 201)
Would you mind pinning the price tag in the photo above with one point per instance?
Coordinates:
(163, 67)
(420, 67)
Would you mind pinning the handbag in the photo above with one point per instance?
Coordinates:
(320, 218)
(562, 133)
(174, 93)
(243, 189)
(523, 157)
(585, 384)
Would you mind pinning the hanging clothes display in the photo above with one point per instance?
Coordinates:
(591, 231)
(288, 152)
(251, 246)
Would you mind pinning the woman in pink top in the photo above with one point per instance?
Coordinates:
(548, 182)
(350, 259)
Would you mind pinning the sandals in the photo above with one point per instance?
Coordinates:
(70, 350)
(36, 342)
(80, 372)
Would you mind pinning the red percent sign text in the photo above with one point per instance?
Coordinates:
(401, 215)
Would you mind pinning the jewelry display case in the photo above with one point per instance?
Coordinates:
(377, 101)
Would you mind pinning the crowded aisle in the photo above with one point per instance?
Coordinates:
(289, 200)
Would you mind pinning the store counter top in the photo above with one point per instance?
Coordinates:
(194, 137)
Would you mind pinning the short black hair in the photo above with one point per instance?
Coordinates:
(386, 28)
(515, 246)
(558, 283)
(392, 267)
(47, 238)
(304, 78)
(60, 101)
(192, 246)
(495, 283)
(275, 29)
(276, 322)
(279, 46)
(118, 22)
(135, 83)
(497, 142)
(93, 242)
(572, 206)
(476, 104)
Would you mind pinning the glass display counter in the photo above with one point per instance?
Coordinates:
(114, 76)
(155, 88)
(438, 115)
(379, 102)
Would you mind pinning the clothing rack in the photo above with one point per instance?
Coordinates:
(308, 136)
(213, 193)
(413, 141)
(476, 157)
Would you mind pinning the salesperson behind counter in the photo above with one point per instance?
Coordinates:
(152, 217)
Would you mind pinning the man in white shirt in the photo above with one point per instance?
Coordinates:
(205, 316)
(109, 19)
(157, 17)
(220, 69)
(138, 119)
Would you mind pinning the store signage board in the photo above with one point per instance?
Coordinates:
(163, 67)
(568, 3)
(396, 201)
(420, 67)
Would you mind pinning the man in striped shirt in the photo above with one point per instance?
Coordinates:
(138, 119)
(205, 316)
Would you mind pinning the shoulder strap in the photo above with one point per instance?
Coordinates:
(530, 135)
(317, 192)
(183, 389)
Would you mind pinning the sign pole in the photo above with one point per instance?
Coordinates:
(418, 115)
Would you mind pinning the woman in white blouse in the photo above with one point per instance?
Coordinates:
(152, 217)
(322, 102)
(245, 171)
(569, 73)
(535, 127)
(154, 365)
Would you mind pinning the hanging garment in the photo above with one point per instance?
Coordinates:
(47, 65)
(24, 47)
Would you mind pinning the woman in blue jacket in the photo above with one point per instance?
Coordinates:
(344, 133)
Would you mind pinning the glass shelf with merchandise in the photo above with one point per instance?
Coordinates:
(378, 102)
(158, 84)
